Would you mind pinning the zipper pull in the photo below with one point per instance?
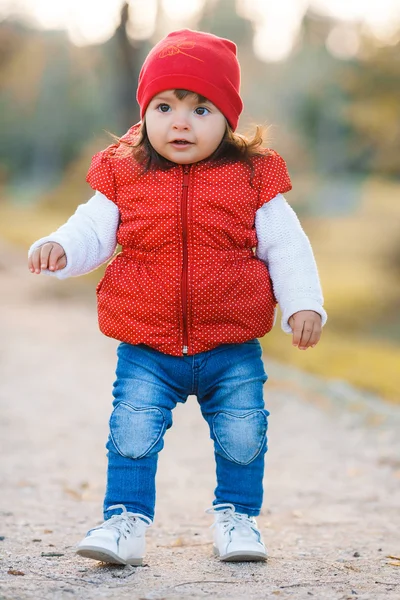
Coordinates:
(186, 171)
(185, 350)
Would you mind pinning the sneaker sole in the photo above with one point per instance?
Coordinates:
(107, 556)
(241, 556)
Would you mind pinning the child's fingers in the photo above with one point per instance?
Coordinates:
(297, 328)
(56, 253)
(49, 256)
(44, 255)
(61, 262)
(34, 262)
(307, 332)
(30, 263)
(316, 336)
(306, 328)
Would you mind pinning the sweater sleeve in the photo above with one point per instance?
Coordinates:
(274, 177)
(89, 237)
(286, 250)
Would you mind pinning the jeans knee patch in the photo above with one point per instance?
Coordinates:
(136, 432)
(240, 438)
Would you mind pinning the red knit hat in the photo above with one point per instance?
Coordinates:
(198, 62)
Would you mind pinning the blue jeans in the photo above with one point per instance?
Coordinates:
(228, 382)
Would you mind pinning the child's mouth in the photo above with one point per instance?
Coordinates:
(181, 143)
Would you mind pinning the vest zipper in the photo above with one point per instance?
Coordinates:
(184, 289)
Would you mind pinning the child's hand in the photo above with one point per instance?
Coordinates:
(306, 327)
(50, 256)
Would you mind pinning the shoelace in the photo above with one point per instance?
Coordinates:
(230, 519)
(125, 522)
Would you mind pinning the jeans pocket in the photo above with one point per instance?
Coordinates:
(137, 432)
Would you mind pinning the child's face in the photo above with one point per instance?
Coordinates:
(183, 131)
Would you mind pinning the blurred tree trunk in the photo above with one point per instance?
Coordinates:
(127, 68)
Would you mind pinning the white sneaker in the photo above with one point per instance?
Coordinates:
(236, 537)
(120, 539)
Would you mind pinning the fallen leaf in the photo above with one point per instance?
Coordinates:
(73, 493)
(351, 568)
(15, 572)
(297, 513)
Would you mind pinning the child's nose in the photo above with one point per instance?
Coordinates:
(181, 123)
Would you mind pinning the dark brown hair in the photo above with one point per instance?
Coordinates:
(233, 146)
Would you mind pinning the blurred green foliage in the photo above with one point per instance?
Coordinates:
(329, 116)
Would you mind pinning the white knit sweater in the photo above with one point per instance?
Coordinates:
(89, 240)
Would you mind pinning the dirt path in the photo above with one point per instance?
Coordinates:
(331, 511)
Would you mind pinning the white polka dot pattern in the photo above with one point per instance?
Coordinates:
(229, 293)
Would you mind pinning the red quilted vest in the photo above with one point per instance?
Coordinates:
(187, 278)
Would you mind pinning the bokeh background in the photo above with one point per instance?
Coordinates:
(322, 75)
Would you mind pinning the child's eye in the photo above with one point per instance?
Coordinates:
(163, 107)
(201, 110)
